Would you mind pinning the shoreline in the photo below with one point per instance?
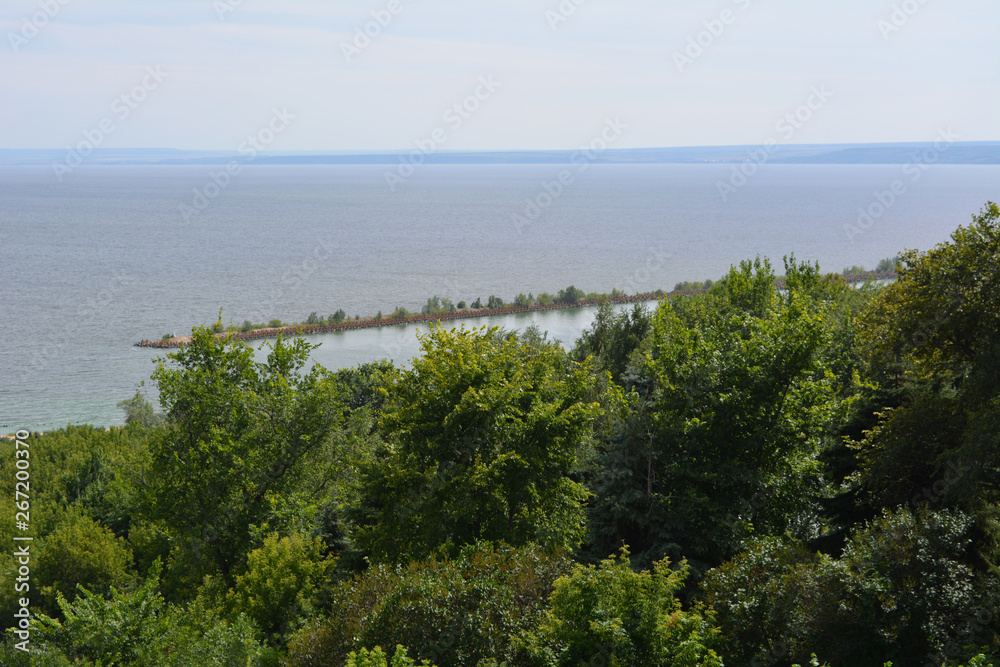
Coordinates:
(371, 323)
(463, 314)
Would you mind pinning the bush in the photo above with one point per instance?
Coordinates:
(313, 318)
(494, 302)
(613, 615)
(570, 295)
(281, 584)
(274, 324)
(901, 592)
(478, 303)
(138, 629)
(400, 313)
(80, 552)
(455, 613)
(524, 301)
(377, 659)
(461, 305)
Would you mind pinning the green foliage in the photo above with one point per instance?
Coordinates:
(79, 552)
(313, 318)
(455, 613)
(138, 629)
(903, 590)
(524, 300)
(437, 306)
(243, 434)
(376, 658)
(400, 312)
(544, 299)
(275, 324)
(140, 411)
(494, 302)
(484, 432)
(478, 303)
(281, 585)
(570, 295)
(614, 338)
(612, 615)
(725, 435)
(687, 286)
(461, 305)
(888, 264)
(933, 338)
(337, 317)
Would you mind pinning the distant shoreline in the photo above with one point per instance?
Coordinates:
(459, 314)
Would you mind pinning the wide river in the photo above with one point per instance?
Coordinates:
(106, 258)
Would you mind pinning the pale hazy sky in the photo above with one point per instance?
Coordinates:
(228, 64)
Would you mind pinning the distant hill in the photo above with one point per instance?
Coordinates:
(965, 152)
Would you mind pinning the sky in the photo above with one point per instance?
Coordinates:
(333, 75)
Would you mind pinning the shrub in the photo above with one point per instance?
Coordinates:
(570, 295)
(80, 552)
(313, 318)
(455, 613)
(461, 305)
(275, 323)
(400, 313)
(494, 302)
(376, 658)
(281, 583)
(901, 591)
(610, 614)
(478, 303)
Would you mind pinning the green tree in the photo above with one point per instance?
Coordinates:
(727, 423)
(140, 411)
(242, 433)
(281, 585)
(613, 338)
(80, 552)
(570, 295)
(464, 611)
(933, 337)
(484, 431)
(494, 302)
(376, 658)
(613, 615)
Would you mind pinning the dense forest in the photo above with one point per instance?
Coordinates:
(752, 476)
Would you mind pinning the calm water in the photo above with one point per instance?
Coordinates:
(91, 265)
